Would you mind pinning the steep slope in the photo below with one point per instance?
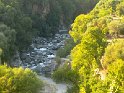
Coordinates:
(88, 60)
(31, 18)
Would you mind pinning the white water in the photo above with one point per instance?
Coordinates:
(51, 87)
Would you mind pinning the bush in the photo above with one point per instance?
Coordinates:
(63, 52)
(73, 89)
(18, 80)
(114, 51)
(58, 60)
(65, 74)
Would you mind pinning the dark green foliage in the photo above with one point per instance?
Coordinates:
(53, 17)
(73, 89)
(58, 60)
(65, 74)
(63, 52)
(68, 8)
(31, 18)
(7, 41)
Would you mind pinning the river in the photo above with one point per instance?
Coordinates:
(40, 57)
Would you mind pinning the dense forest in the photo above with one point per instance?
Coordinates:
(96, 61)
(98, 58)
(21, 20)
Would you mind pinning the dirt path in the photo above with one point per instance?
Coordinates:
(51, 87)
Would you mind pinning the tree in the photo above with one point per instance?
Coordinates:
(114, 51)
(115, 28)
(3, 41)
(120, 9)
(99, 70)
(53, 17)
(7, 41)
(0, 55)
(18, 80)
(86, 55)
(80, 26)
(63, 52)
(115, 76)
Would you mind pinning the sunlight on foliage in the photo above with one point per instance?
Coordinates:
(18, 80)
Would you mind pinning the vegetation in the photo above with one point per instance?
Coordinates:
(98, 63)
(7, 40)
(20, 21)
(97, 66)
(113, 52)
(18, 80)
(65, 74)
(63, 52)
(23, 20)
(116, 27)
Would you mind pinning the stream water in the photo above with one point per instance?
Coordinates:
(40, 57)
(42, 53)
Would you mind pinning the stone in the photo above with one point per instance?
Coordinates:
(51, 56)
(42, 49)
(41, 56)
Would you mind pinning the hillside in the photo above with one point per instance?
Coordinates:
(22, 20)
(97, 64)
(28, 27)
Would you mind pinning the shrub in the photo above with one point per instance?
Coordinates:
(18, 80)
(65, 74)
(63, 52)
(58, 60)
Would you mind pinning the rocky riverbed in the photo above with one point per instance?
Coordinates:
(41, 54)
(40, 57)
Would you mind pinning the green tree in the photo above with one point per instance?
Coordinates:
(7, 41)
(53, 17)
(120, 9)
(80, 26)
(116, 28)
(114, 51)
(86, 56)
(66, 50)
(0, 55)
(90, 60)
(115, 76)
(18, 80)
(3, 41)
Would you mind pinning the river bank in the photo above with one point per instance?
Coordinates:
(52, 87)
(40, 57)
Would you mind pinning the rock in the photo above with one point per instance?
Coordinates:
(42, 49)
(28, 54)
(51, 56)
(41, 55)
(35, 49)
(39, 46)
(33, 67)
(42, 64)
